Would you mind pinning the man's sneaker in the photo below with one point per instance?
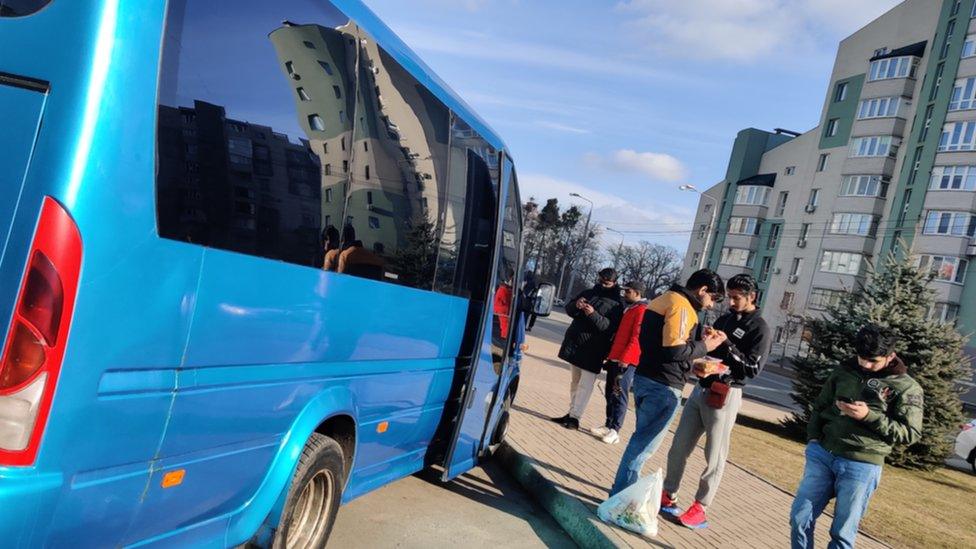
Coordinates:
(571, 423)
(612, 437)
(600, 432)
(560, 420)
(694, 517)
(669, 505)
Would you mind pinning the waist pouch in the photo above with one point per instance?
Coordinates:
(716, 395)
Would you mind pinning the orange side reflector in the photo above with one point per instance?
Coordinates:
(173, 478)
(383, 426)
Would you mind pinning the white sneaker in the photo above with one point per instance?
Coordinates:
(612, 437)
(600, 432)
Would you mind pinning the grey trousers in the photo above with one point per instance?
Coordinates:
(699, 418)
(580, 389)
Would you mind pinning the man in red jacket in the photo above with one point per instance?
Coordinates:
(624, 355)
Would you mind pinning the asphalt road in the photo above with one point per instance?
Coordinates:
(482, 508)
(769, 387)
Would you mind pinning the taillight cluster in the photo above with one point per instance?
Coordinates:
(32, 357)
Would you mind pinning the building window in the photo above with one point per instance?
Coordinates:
(302, 94)
(879, 52)
(814, 199)
(337, 92)
(345, 166)
(374, 222)
(702, 231)
(880, 107)
(316, 123)
(963, 95)
(366, 171)
(790, 170)
(328, 169)
(787, 303)
(841, 262)
(366, 145)
(878, 145)
(767, 264)
(738, 257)
(781, 203)
(752, 195)
(328, 195)
(893, 67)
(832, 127)
(695, 257)
(773, 239)
(958, 136)
(953, 178)
(947, 40)
(946, 269)
(840, 93)
(326, 67)
(342, 117)
(950, 223)
(743, 225)
(290, 68)
(804, 232)
(821, 298)
(939, 71)
(822, 162)
(853, 224)
(797, 266)
(863, 185)
(946, 313)
(969, 47)
(342, 143)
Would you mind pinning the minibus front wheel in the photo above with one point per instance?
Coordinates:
(314, 495)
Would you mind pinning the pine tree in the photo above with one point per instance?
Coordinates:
(898, 298)
(416, 261)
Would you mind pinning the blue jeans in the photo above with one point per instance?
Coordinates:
(826, 476)
(619, 381)
(656, 405)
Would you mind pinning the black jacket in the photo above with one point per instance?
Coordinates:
(746, 350)
(588, 338)
(669, 339)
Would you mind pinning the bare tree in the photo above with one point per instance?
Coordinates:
(655, 265)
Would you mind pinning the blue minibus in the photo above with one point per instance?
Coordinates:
(256, 260)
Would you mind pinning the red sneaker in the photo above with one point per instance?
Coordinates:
(669, 505)
(694, 517)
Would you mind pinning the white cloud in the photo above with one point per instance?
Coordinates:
(561, 127)
(746, 30)
(657, 166)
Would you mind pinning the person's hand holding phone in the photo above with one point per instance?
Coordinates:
(854, 409)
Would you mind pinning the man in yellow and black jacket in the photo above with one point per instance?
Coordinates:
(668, 347)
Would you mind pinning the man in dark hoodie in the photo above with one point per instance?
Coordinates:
(867, 405)
(668, 347)
(595, 313)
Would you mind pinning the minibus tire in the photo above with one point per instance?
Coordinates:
(501, 428)
(314, 496)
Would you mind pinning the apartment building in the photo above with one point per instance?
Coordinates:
(892, 160)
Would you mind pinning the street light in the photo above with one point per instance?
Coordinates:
(620, 248)
(711, 223)
(586, 237)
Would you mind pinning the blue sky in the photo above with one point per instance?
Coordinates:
(624, 100)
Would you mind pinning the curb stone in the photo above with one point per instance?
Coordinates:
(573, 516)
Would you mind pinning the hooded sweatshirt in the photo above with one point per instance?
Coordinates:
(666, 337)
(895, 402)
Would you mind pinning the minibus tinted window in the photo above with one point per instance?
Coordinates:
(261, 151)
(20, 8)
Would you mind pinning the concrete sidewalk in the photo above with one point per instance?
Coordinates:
(570, 472)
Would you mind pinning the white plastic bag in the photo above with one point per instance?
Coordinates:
(636, 506)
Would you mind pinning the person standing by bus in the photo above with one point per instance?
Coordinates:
(667, 351)
(595, 313)
(714, 404)
(623, 358)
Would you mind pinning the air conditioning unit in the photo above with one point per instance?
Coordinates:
(801, 243)
(810, 208)
(793, 279)
(777, 270)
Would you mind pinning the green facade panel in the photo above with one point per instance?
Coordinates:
(840, 114)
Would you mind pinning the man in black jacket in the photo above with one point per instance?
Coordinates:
(595, 313)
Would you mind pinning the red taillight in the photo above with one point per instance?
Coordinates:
(38, 331)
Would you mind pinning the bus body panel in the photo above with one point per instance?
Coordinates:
(161, 371)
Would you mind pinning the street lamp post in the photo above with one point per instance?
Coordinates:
(711, 222)
(620, 248)
(586, 238)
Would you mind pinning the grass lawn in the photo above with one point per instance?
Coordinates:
(910, 508)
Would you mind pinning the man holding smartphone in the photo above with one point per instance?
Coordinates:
(867, 405)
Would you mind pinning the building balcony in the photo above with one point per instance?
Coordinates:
(861, 204)
(951, 246)
(900, 87)
(873, 165)
(950, 200)
(891, 125)
(745, 210)
(747, 241)
(849, 243)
